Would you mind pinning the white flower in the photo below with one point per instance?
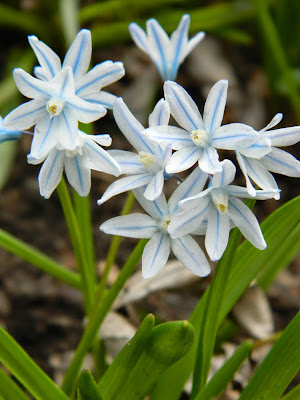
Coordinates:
(77, 164)
(199, 139)
(166, 53)
(155, 226)
(87, 85)
(55, 111)
(219, 205)
(256, 160)
(8, 134)
(148, 166)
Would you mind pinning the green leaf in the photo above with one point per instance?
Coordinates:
(293, 394)
(278, 368)
(87, 388)
(209, 316)
(9, 389)
(248, 262)
(285, 255)
(116, 375)
(167, 344)
(18, 362)
(38, 259)
(224, 375)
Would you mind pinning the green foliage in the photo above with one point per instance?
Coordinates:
(248, 263)
(224, 375)
(18, 362)
(168, 343)
(115, 378)
(278, 368)
(87, 388)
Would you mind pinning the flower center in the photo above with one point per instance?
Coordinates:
(54, 106)
(164, 223)
(201, 138)
(72, 153)
(220, 200)
(150, 161)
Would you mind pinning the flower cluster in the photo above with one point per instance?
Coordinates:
(62, 96)
(205, 203)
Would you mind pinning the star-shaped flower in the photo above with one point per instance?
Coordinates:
(55, 111)
(166, 53)
(155, 226)
(199, 139)
(148, 166)
(263, 156)
(8, 134)
(77, 164)
(88, 85)
(219, 204)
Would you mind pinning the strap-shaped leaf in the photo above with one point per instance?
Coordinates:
(278, 368)
(9, 389)
(249, 262)
(224, 375)
(167, 344)
(18, 362)
(87, 388)
(116, 375)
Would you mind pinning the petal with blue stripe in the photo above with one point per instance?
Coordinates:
(157, 208)
(132, 128)
(31, 87)
(281, 162)
(26, 115)
(51, 172)
(215, 106)
(123, 185)
(245, 220)
(49, 61)
(183, 159)
(156, 254)
(101, 160)
(100, 76)
(217, 234)
(139, 36)
(183, 107)
(79, 54)
(139, 226)
(187, 250)
(78, 174)
(161, 114)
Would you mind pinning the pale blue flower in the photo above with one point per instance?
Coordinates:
(77, 164)
(148, 166)
(219, 205)
(263, 156)
(88, 85)
(55, 111)
(198, 140)
(166, 53)
(8, 134)
(155, 227)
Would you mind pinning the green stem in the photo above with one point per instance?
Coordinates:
(69, 10)
(83, 214)
(97, 317)
(113, 249)
(75, 235)
(38, 259)
(272, 40)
